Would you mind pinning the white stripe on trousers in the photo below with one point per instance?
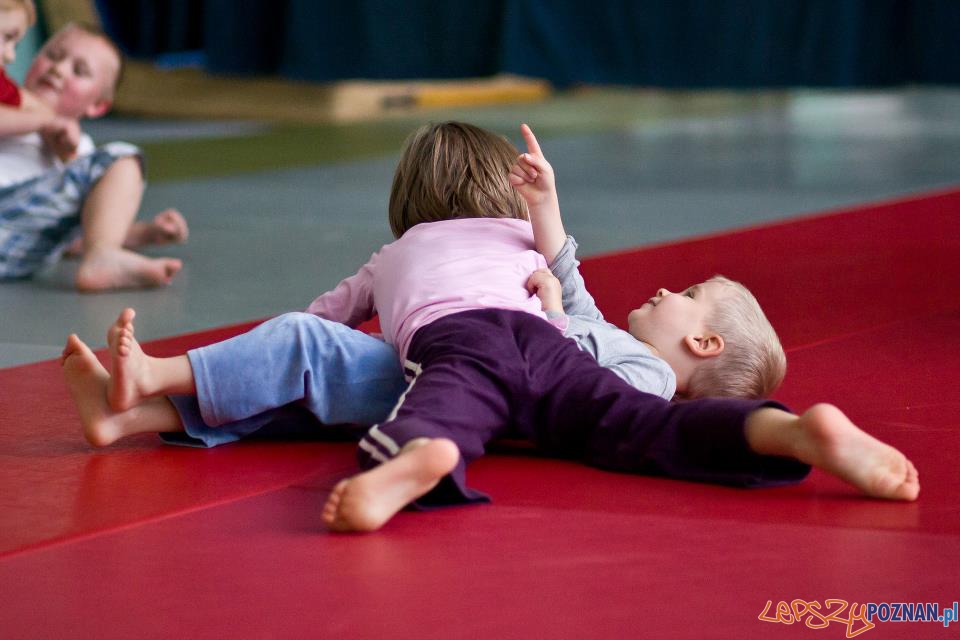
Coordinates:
(376, 437)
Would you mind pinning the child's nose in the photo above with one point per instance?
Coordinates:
(60, 67)
(662, 292)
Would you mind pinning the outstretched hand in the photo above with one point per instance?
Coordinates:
(531, 174)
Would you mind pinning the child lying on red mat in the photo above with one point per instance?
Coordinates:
(484, 363)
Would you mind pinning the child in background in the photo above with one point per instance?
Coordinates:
(16, 17)
(55, 185)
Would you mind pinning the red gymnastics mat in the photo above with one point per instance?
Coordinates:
(145, 540)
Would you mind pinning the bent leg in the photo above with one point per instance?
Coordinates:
(107, 215)
(367, 501)
(418, 457)
(465, 391)
(39, 217)
(442, 402)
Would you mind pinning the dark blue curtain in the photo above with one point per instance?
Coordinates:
(665, 43)
(150, 28)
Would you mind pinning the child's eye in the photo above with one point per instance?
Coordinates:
(688, 293)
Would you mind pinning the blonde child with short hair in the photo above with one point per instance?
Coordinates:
(57, 189)
(733, 352)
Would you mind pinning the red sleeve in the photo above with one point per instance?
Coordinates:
(9, 91)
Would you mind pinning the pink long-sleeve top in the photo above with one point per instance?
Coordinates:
(437, 269)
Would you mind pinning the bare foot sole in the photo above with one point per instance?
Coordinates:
(128, 364)
(368, 500)
(105, 269)
(838, 446)
(87, 380)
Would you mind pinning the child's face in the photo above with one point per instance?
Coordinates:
(73, 73)
(667, 318)
(13, 26)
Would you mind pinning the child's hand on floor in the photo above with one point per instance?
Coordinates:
(547, 287)
(531, 174)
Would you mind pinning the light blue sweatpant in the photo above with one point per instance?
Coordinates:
(285, 375)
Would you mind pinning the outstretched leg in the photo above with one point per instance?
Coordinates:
(368, 500)
(135, 374)
(88, 382)
(825, 438)
(108, 213)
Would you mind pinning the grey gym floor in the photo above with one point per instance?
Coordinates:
(631, 171)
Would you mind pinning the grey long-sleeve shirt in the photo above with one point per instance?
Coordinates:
(614, 348)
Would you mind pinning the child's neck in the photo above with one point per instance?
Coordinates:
(681, 372)
(652, 348)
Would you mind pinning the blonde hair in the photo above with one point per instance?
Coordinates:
(26, 5)
(752, 364)
(453, 170)
(109, 92)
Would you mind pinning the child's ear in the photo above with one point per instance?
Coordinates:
(98, 108)
(708, 345)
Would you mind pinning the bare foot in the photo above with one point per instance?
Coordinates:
(368, 500)
(830, 441)
(74, 249)
(110, 268)
(167, 227)
(88, 380)
(128, 364)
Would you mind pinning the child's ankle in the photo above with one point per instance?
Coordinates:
(416, 443)
(773, 432)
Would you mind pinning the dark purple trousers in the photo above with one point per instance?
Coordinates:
(493, 373)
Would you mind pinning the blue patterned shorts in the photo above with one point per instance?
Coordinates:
(40, 217)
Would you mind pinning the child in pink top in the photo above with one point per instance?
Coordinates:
(449, 277)
(499, 369)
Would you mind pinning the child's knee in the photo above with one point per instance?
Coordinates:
(128, 169)
(294, 321)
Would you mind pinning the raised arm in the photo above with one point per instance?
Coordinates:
(32, 116)
(576, 300)
(532, 176)
(61, 135)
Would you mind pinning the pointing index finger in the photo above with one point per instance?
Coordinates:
(532, 145)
